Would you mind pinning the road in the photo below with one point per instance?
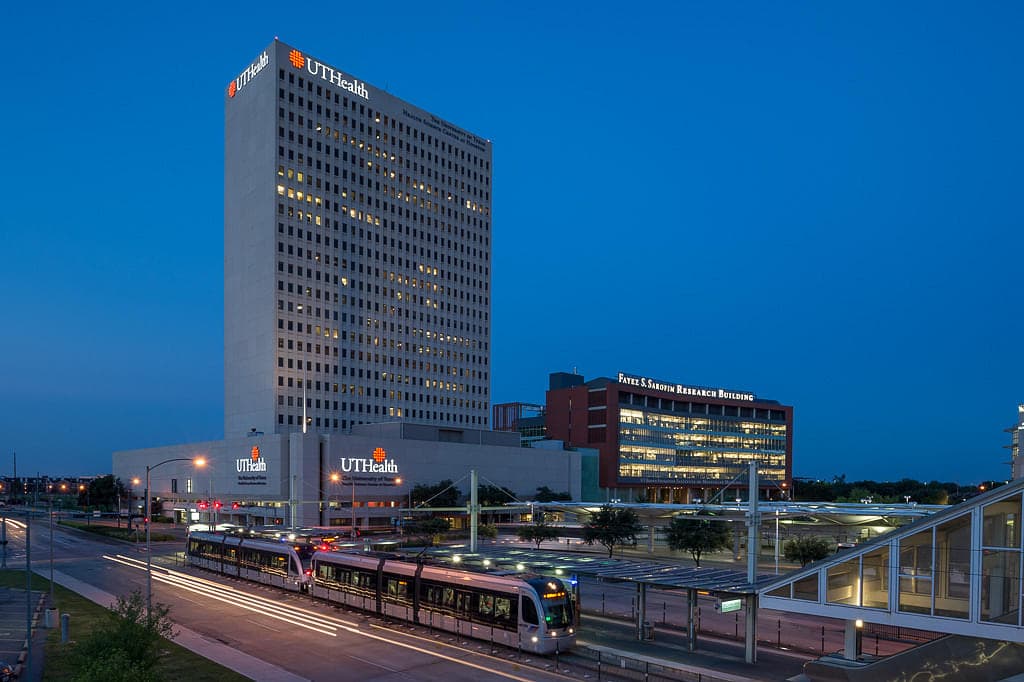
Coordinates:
(310, 639)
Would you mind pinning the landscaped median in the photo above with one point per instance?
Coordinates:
(62, 662)
(126, 534)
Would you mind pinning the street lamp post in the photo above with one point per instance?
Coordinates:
(352, 483)
(199, 462)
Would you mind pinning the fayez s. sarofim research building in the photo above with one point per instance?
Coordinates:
(357, 308)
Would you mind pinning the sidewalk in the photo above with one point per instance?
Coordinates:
(242, 663)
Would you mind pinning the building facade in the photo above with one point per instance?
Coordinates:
(1016, 464)
(357, 251)
(333, 479)
(669, 442)
(357, 255)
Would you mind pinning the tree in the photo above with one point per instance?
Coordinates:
(546, 494)
(494, 496)
(103, 492)
(538, 531)
(487, 530)
(444, 494)
(429, 529)
(127, 645)
(611, 526)
(806, 549)
(698, 536)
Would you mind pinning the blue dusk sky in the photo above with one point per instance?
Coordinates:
(816, 202)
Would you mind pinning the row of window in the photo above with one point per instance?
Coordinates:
(377, 116)
(934, 571)
(295, 420)
(690, 407)
(479, 606)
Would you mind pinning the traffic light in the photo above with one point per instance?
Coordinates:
(235, 505)
(203, 504)
(217, 505)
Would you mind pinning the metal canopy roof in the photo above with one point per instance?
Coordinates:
(834, 512)
(655, 574)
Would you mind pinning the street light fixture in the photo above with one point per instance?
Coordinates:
(197, 461)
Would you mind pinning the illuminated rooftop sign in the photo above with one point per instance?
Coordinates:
(680, 389)
(250, 72)
(332, 76)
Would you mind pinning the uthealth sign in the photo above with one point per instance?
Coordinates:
(328, 74)
(250, 72)
(380, 464)
(254, 462)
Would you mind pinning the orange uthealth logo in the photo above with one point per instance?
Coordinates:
(255, 453)
(296, 58)
(232, 89)
(379, 455)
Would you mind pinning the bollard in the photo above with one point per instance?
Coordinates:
(50, 621)
(65, 627)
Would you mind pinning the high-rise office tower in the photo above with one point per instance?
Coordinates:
(357, 255)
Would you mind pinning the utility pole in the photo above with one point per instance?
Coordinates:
(753, 545)
(474, 511)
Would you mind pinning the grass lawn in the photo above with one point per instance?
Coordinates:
(118, 533)
(177, 663)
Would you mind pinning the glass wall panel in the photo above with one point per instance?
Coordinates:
(843, 583)
(875, 581)
(915, 586)
(783, 591)
(953, 568)
(806, 588)
(1001, 525)
(1000, 586)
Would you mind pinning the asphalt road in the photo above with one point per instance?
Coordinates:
(313, 640)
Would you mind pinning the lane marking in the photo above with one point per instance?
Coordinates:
(183, 580)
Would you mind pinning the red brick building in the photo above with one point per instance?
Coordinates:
(672, 442)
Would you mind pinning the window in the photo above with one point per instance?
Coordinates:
(529, 611)
(915, 586)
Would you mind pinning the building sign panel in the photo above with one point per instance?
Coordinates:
(682, 389)
(379, 463)
(252, 470)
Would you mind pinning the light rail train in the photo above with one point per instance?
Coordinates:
(536, 614)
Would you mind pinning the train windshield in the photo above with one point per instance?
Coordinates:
(556, 601)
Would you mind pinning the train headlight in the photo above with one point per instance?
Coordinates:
(571, 631)
(534, 639)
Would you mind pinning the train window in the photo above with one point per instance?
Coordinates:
(464, 602)
(432, 595)
(486, 605)
(529, 611)
(502, 609)
(398, 590)
(449, 598)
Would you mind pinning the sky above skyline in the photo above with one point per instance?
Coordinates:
(817, 203)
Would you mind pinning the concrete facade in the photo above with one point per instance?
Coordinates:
(357, 251)
(290, 478)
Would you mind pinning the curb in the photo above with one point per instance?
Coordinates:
(19, 666)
